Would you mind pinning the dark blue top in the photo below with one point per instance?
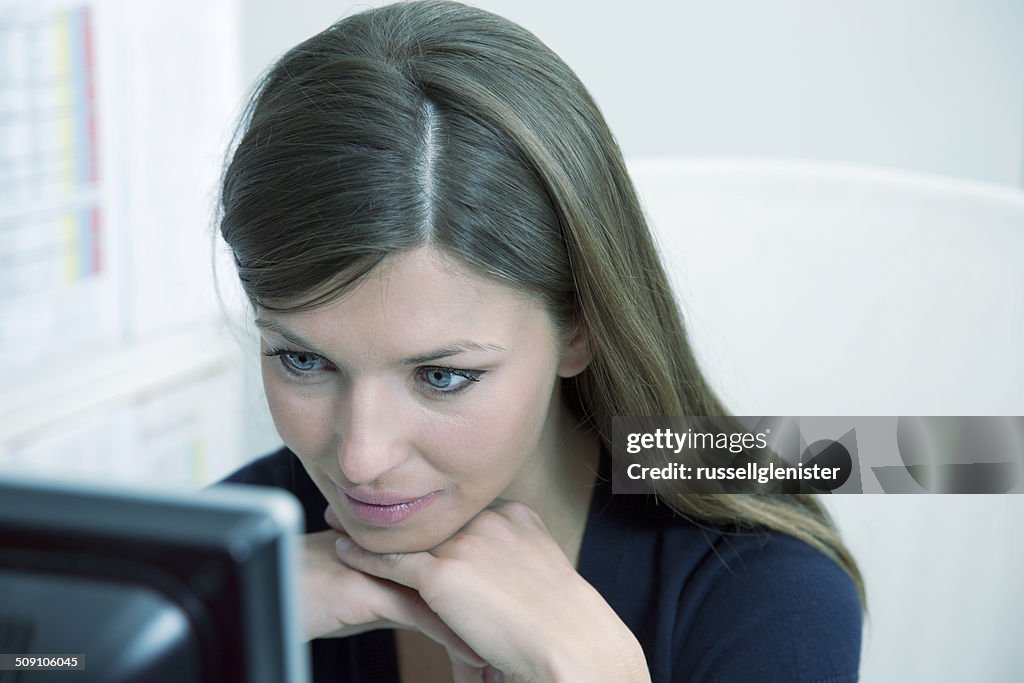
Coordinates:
(706, 603)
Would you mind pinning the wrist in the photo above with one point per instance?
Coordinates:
(619, 661)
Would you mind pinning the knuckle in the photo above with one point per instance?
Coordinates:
(490, 521)
(392, 559)
(432, 596)
(467, 544)
(445, 575)
(522, 512)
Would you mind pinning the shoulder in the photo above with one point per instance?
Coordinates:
(282, 469)
(717, 603)
(763, 605)
(273, 469)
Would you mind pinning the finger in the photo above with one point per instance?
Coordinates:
(407, 569)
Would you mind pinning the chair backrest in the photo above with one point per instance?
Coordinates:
(831, 290)
(814, 289)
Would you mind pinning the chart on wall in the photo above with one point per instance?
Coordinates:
(114, 119)
(56, 283)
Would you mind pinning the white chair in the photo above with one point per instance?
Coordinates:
(813, 289)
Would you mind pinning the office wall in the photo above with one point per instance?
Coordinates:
(922, 85)
(113, 119)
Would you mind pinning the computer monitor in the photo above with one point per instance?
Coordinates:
(150, 585)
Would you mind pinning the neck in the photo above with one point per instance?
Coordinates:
(560, 482)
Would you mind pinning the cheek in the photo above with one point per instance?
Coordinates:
(494, 436)
(301, 415)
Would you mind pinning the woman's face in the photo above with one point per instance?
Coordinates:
(418, 398)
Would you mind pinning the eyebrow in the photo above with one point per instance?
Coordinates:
(455, 348)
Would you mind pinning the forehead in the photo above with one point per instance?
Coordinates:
(414, 302)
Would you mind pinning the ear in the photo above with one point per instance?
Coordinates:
(576, 355)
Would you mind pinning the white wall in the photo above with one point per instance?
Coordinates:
(121, 370)
(927, 85)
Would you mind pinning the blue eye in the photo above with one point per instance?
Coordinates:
(440, 379)
(437, 380)
(299, 362)
(448, 380)
(303, 362)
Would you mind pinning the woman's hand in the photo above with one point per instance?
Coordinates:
(506, 588)
(340, 601)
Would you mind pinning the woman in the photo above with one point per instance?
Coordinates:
(456, 290)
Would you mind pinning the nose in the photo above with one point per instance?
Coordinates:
(368, 433)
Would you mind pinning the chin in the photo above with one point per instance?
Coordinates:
(396, 540)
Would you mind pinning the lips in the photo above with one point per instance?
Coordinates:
(384, 508)
(379, 498)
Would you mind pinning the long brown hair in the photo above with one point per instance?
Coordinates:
(436, 123)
